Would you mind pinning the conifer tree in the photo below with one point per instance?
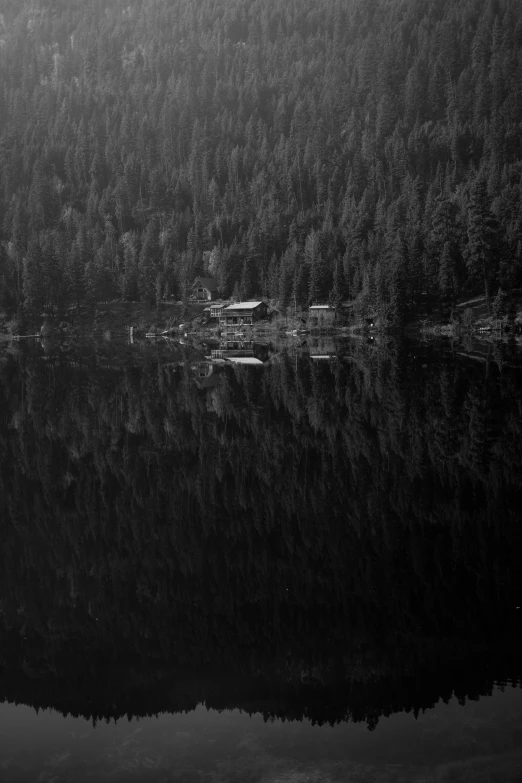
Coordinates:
(247, 285)
(397, 310)
(77, 260)
(337, 291)
(500, 304)
(33, 284)
(150, 257)
(483, 239)
(286, 278)
(129, 282)
(447, 277)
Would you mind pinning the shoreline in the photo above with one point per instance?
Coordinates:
(132, 321)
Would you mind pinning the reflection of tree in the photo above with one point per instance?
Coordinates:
(290, 516)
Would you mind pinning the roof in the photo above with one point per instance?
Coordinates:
(321, 307)
(244, 360)
(214, 306)
(244, 305)
(207, 282)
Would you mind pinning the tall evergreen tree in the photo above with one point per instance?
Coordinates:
(129, 283)
(398, 306)
(483, 238)
(149, 263)
(33, 283)
(447, 277)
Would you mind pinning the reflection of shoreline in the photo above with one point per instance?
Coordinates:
(319, 694)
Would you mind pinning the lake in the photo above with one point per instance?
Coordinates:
(254, 562)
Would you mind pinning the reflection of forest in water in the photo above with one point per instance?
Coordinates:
(303, 527)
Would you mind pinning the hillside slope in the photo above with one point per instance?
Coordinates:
(315, 150)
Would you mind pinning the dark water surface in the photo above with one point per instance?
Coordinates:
(304, 567)
(479, 741)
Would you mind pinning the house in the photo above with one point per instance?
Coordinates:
(205, 288)
(215, 310)
(321, 314)
(242, 313)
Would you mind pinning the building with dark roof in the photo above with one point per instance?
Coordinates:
(242, 313)
(205, 288)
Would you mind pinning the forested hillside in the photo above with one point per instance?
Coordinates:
(306, 150)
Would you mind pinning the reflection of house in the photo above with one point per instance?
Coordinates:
(243, 313)
(241, 352)
(215, 310)
(321, 349)
(328, 356)
(245, 360)
(202, 369)
(321, 315)
(204, 375)
(205, 288)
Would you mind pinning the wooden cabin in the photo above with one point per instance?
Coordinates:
(215, 310)
(321, 315)
(205, 289)
(243, 313)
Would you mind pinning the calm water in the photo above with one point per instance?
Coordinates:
(480, 741)
(294, 563)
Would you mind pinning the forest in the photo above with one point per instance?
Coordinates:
(304, 528)
(308, 151)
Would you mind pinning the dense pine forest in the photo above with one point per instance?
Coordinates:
(310, 150)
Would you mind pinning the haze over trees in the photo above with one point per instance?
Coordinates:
(305, 150)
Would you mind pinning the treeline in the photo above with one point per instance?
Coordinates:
(319, 150)
(464, 671)
(307, 521)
